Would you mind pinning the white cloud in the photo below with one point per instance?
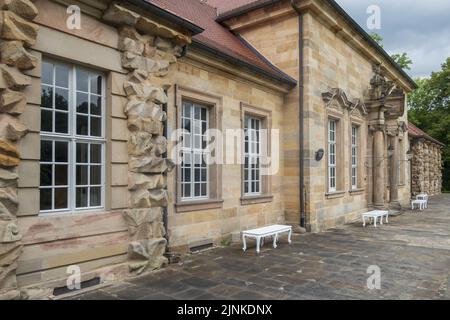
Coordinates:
(420, 28)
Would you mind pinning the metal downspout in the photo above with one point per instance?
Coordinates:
(302, 191)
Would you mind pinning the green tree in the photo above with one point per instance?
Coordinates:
(402, 59)
(429, 109)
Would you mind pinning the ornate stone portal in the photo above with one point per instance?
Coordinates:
(386, 103)
(147, 56)
(17, 34)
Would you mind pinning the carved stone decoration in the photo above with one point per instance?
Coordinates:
(18, 32)
(148, 49)
(337, 99)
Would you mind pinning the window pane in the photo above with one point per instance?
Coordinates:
(187, 174)
(96, 175)
(81, 197)
(96, 127)
(204, 114)
(45, 201)
(61, 151)
(204, 193)
(61, 99)
(186, 190)
(82, 80)
(46, 151)
(82, 152)
(47, 73)
(82, 125)
(96, 84)
(82, 175)
(82, 102)
(96, 153)
(61, 175)
(95, 197)
(46, 120)
(46, 175)
(61, 122)
(96, 105)
(61, 198)
(46, 97)
(186, 110)
(62, 76)
(197, 190)
(197, 113)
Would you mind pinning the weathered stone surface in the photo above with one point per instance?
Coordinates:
(163, 44)
(17, 28)
(147, 255)
(14, 54)
(143, 109)
(9, 202)
(9, 232)
(23, 8)
(9, 253)
(119, 15)
(11, 77)
(131, 45)
(9, 156)
(145, 223)
(146, 92)
(140, 143)
(15, 130)
(150, 165)
(12, 102)
(8, 178)
(136, 123)
(143, 198)
(143, 181)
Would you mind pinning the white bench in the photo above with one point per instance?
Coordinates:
(421, 204)
(375, 215)
(268, 231)
(423, 196)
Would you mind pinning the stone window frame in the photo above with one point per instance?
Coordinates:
(104, 140)
(359, 123)
(340, 160)
(215, 105)
(266, 181)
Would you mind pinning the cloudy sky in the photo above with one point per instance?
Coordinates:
(420, 28)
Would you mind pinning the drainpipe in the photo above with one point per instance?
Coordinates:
(302, 192)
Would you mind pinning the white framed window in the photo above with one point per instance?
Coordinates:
(252, 165)
(72, 164)
(194, 170)
(354, 157)
(332, 130)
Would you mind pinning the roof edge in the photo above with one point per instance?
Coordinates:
(263, 3)
(199, 44)
(425, 135)
(171, 17)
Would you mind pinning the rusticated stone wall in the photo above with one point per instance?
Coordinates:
(18, 33)
(147, 56)
(426, 166)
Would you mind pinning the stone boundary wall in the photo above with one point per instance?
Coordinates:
(426, 168)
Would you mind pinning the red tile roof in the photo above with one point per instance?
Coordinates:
(225, 6)
(418, 133)
(218, 37)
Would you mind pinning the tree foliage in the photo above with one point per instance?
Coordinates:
(402, 59)
(429, 109)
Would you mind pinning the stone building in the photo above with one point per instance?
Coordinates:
(92, 93)
(426, 162)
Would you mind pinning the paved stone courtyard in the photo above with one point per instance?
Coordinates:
(413, 253)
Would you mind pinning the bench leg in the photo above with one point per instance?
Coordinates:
(364, 221)
(289, 236)
(258, 242)
(244, 242)
(386, 218)
(375, 221)
(275, 238)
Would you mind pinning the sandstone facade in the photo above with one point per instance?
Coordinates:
(149, 72)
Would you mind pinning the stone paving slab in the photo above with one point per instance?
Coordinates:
(412, 251)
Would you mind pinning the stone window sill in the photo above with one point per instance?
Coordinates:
(189, 206)
(334, 195)
(256, 199)
(355, 192)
